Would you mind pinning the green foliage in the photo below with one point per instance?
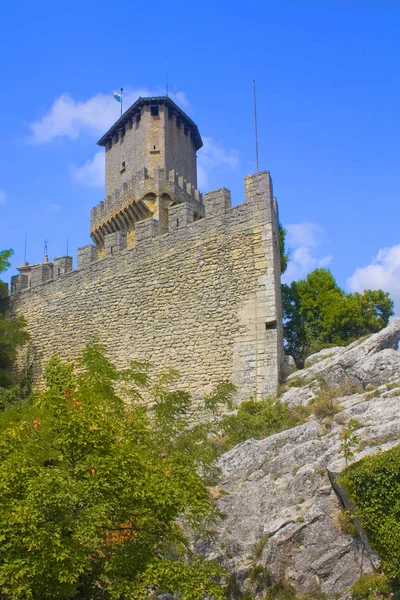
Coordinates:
(260, 419)
(98, 492)
(371, 587)
(373, 485)
(283, 250)
(4, 262)
(318, 314)
(259, 577)
(12, 336)
(349, 439)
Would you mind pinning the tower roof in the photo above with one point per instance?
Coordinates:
(135, 108)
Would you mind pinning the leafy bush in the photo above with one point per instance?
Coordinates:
(98, 491)
(259, 419)
(373, 484)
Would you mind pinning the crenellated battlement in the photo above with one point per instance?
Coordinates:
(142, 197)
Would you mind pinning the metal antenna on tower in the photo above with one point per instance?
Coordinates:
(25, 247)
(255, 122)
(166, 77)
(46, 251)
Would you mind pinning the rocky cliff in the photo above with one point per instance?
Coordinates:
(282, 513)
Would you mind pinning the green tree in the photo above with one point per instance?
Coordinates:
(283, 250)
(98, 492)
(12, 336)
(318, 314)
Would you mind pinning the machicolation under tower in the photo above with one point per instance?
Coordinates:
(181, 279)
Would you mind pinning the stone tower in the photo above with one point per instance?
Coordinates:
(150, 164)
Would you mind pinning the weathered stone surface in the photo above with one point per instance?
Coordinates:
(280, 508)
(288, 367)
(362, 361)
(318, 356)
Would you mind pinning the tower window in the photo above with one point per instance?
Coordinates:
(178, 123)
(122, 170)
(154, 110)
(138, 118)
(122, 135)
(186, 131)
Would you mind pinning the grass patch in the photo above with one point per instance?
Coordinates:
(346, 524)
(325, 404)
(371, 587)
(393, 386)
(371, 395)
(258, 420)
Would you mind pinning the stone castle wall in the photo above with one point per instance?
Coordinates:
(202, 298)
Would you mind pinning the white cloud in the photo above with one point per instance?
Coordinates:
(71, 118)
(382, 273)
(304, 234)
(211, 156)
(3, 196)
(91, 174)
(303, 239)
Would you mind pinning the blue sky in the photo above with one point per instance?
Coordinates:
(328, 92)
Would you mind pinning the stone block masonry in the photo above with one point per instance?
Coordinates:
(203, 298)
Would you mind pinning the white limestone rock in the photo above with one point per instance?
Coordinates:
(372, 361)
(281, 511)
(318, 356)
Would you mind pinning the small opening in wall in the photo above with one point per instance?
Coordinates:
(154, 110)
(178, 123)
(177, 222)
(154, 147)
(270, 325)
(122, 169)
(58, 271)
(138, 118)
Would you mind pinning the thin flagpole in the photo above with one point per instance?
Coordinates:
(166, 78)
(122, 94)
(255, 122)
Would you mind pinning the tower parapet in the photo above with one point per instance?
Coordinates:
(142, 197)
